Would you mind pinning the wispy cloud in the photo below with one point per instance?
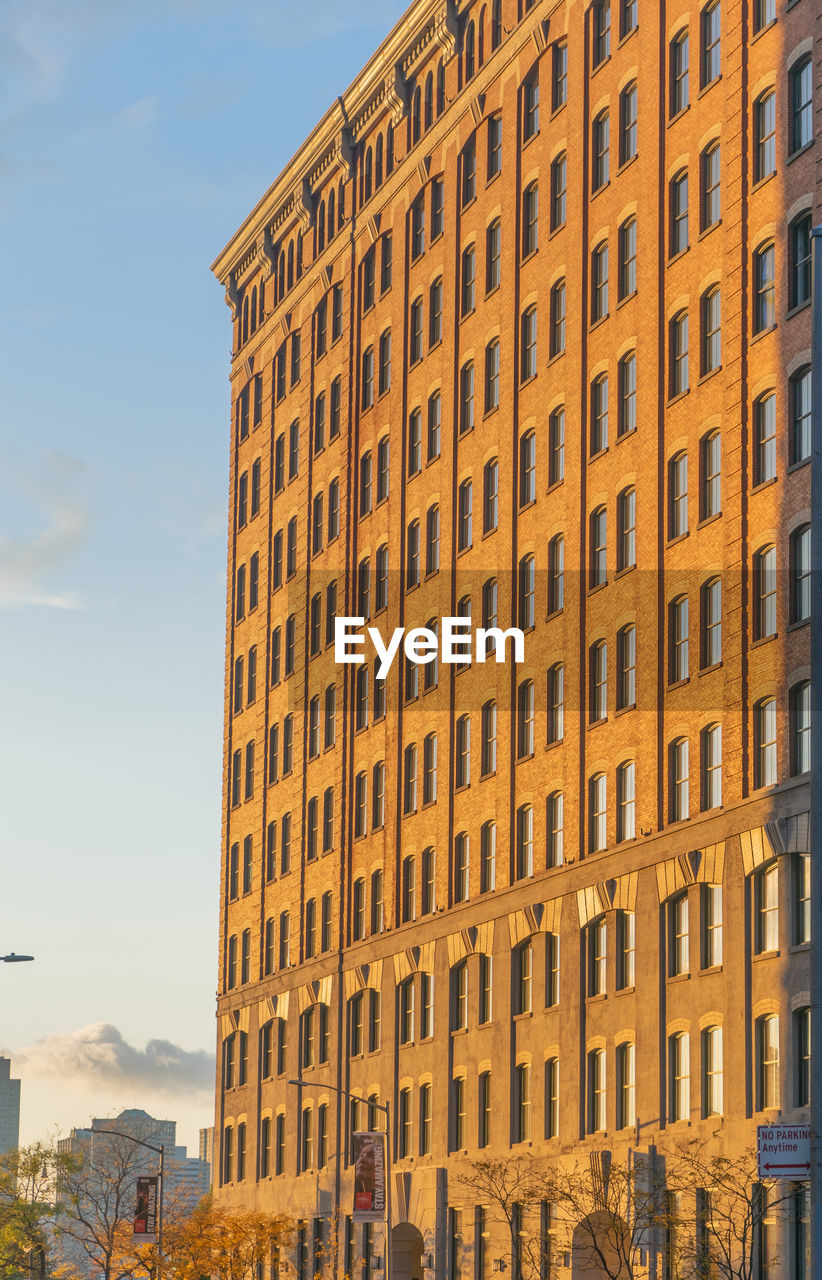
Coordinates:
(99, 1057)
(28, 561)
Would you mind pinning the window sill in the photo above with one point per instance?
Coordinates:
(683, 111)
(798, 309)
(709, 520)
(706, 377)
(766, 955)
(677, 538)
(678, 684)
(494, 289)
(763, 640)
(527, 380)
(800, 151)
(623, 711)
(626, 164)
(597, 999)
(595, 324)
(594, 724)
(799, 624)
(768, 26)
(678, 397)
(552, 488)
(488, 533)
(626, 991)
(706, 231)
(715, 666)
(706, 88)
(714, 968)
(626, 569)
(528, 257)
(799, 947)
(600, 453)
(763, 484)
(435, 342)
(678, 977)
(552, 746)
(680, 253)
(556, 356)
(625, 299)
(797, 466)
(527, 141)
(599, 586)
(554, 231)
(604, 187)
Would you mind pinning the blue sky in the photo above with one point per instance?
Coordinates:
(135, 135)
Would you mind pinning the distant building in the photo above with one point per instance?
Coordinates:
(207, 1150)
(187, 1178)
(9, 1107)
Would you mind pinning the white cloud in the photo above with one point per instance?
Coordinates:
(97, 1057)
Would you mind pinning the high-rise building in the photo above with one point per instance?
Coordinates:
(9, 1108)
(187, 1178)
(521, 335)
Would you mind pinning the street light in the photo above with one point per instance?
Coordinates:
(385, 1108)
(116, 1133)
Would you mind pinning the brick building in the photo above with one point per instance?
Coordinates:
(522, 333)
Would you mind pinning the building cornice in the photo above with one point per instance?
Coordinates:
(381, 85)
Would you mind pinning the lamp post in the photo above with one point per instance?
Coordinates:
(129, 1137)
(385, 1108)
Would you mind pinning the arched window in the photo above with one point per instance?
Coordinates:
(369, 174)
(598, 547)
(321, 227)
(526, 593)
(332, 225)
(428, 118)
(416, 115)
(556, 574)
(496, 25)
(525, 720)
(362, 697)
(765, 593)
(470, 51)
(764, 281)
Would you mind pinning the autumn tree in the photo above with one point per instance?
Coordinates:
(223, 1243)
(28, 1179)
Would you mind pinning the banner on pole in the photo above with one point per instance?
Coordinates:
(145, 1210)
(369, 1177)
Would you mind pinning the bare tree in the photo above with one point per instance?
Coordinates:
(96, 1196)
(506, 1187)
(735, 1215)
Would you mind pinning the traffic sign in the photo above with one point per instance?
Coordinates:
(783, 1151)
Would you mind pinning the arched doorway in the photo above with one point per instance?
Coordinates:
(596, 1232)
(406, 1255)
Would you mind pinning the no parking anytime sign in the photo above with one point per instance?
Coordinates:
(783, 1150)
